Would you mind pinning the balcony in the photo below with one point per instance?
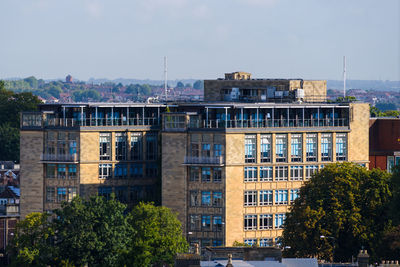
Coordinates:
(60, 157)
(190, 160)
(68, 122)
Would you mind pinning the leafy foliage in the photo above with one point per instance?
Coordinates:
(156, 236)
(32, 242)
(346, 204)
(11, 104)
(199, 85)
(99, 232)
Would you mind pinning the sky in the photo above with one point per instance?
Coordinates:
(202, 39)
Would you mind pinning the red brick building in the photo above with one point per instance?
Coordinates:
(384, 143)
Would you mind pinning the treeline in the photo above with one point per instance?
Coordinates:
(342, 209)
(376, 112)
(11, 104)
(98, 232)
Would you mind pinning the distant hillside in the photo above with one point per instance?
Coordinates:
(124, 81)
(365, 84)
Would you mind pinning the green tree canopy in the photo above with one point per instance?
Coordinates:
(92, 232)
(180, 85)
(341, 209)
(156, 236)
(198, 85)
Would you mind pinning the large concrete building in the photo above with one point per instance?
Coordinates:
(230, 167)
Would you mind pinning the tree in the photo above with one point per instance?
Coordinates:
(156, 236)
(341, 209)
(9, 142)
(180, 85)
(31, 245)
(198, 85)
(92, 232)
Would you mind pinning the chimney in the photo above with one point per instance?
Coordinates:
(363, 258)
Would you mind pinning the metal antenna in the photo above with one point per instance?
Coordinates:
(344, 77)
(165, 77)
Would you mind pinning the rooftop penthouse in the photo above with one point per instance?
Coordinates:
(186, 116)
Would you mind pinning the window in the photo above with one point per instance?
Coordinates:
(136, 146)
(195, 222)
(281, 147)
(71, 171)
(194, 198)
(250, 174)
(61, 173)
(217, 175)
(105, 171)
(310, 171)
(206, 174)
(326, 147)
(341, 146)
(265, 174)
(50, 194)
(120, 146)
(311, 147)
(217, 242)
(61, 194)
(151, 146)
(206, 222)
(281, 197)
(205, 150)
(296, 147)
(251, 242)
(50, 170)
(217, 199)
(151, 170)
(217, 150)
(105, 146)
(137, 193)
(279, 220)
(71, 193)
(250, 222)
(120, 170)
(266, 197)
(265, 149)
(250, 142)
(296, 173)
(194, 174)
(121, 193)
(294, 193)
(206, 198)
(105, 191)
(390, 164)
(194, 150)
(136, 170)
(266, 242)
(265, 221)
(250, 198)
(281, 173)
(217, 223)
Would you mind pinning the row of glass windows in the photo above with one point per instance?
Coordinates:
(61, 171)
(121, 146)
(121, 170)
(205, 242)
(265, 221)
(296, 147)
(61, 144)
(128, 193)
(262, 242)
(266, 197)
(204, 150)
(205, 198)
(202, 222)
(207, 174)
(60, 194)
(265, 173)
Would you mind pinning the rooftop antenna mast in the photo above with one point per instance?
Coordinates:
(344, 76)
(165, 77)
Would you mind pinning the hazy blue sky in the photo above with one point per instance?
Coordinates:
(202, 38)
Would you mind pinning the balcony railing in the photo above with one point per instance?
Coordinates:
(60, 157)
(204, 160)
(59, 122)
(277, 123)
